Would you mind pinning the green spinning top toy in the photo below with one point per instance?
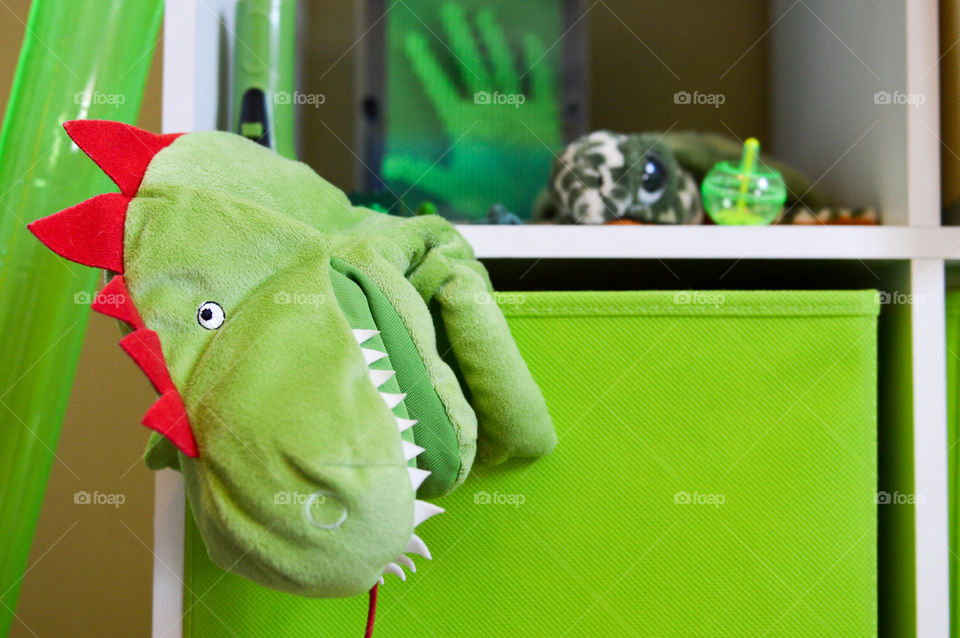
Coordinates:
(748, 194)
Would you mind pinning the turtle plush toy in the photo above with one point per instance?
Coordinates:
(608, 177)
(299, 345)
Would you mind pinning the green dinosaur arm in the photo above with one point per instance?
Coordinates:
(511, 414)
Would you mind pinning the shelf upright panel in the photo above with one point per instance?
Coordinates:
(196, 57)
(932, 550)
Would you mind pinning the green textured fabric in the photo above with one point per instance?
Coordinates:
(715, 476)
(433, 431)
(356, 310)
(953, 454)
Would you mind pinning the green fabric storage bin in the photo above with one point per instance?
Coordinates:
(715, 476)
(953, 454)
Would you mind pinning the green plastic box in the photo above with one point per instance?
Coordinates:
(715, 476)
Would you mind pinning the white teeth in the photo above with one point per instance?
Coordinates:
(410, 450)
(405, 424)
(381, 580)
(379, 377)
(393, 568)
(364, 335)
(423, 510)
(417, 546)
(406, 562)
(372, 356)
(393, 400)
(417, 476)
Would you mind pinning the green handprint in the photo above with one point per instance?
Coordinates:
(501, 123)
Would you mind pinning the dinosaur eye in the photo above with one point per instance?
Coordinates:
(654, 179)
(210, 315)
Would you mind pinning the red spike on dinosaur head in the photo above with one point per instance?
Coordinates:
(121, 150)
(168, 415)
(115, 301)
(90, 233)
(144, 348)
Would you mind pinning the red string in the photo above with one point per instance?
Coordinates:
(371, 611)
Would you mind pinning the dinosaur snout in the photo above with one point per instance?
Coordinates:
(308, 488)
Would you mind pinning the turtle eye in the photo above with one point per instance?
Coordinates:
(654, 179)
(210, 315)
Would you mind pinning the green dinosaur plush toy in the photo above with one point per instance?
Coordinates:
(293, 339)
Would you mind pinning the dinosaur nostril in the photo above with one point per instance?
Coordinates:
(324, 510)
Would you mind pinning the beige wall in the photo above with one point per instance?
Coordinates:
(90, 571)
(697, 42)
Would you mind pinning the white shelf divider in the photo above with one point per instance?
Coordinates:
(928, 326)
(169, 515)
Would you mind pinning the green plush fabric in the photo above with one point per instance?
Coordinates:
(356, 309)
(433, 431)
(302, 483)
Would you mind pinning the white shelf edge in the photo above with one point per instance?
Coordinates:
(712, 242)
(169, 517)
(932, 557)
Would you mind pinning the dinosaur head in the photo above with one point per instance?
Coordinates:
(608, 177)
(278, 397)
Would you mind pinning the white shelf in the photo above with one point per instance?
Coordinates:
(712, 242)
(827, 60)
